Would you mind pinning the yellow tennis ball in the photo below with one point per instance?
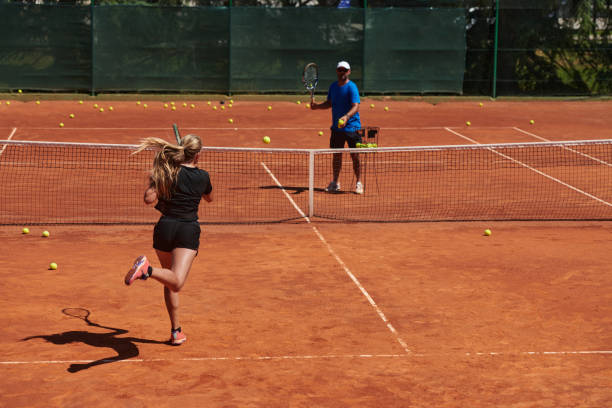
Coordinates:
(172, 103)
(340, 122)
(38, 102)
(468, 123)
(214, 108)
(145, 106)
(101, 109)
(8, 102)
(19, 91)
(307, 106)
(184, 105)
(230, 120)
(269, 107)
(231, 101)
(53, 266)
(61, 124)
(299, 102)
(480, 104)
(487, 232)
(208, 102)
(386, 109)
(138, 103)
(80, 102)
(165, 105)
(371, 105)
(266, 139)
(71, 116)
(222, 107)
(230, 106)
(110, 108)
(192, 106)
(174, 108)
(320, 133)
(95, 106)
(532, 121)
(26, 230)
(45, 234)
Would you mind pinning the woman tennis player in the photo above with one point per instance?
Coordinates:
(178, 186)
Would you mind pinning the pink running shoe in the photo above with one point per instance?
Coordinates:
(177, 337)
(140, 270)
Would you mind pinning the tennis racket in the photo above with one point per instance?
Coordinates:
(177, 134)
(310, 77)
(79, 313)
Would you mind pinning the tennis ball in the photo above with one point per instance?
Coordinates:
(320, 133)
(184, 105)
(165, 105)
(26, 230)
(299, 102)
(340, 122)
(71, 116)
(138, 103)
(145, 106)
(38, 102)
(222, 107)
(532, 121)
(371, 105)
(487, 232)
(230, 120)
(61, 124)
(266, 139)
(269, 107)
(358, 144)
(171, 103)
(80, 102)
(231, 101)
(192, 106)
(174, 108)
(110, 108)
(96, 105)
(214, 108)
(53, 266)
(386, 109)
(230, 106)
(208, 102)
(19, 91)
(480, 104)
(468, 123)
(307, 106)
(45, 234)
(101, 109)
(8, 102)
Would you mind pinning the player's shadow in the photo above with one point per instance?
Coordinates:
(125, 347)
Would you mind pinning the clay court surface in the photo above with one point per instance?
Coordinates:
(321, 314)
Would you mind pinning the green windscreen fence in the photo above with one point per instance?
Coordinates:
(547, 47)
(43, 47)
(415, 50)
(161, 49)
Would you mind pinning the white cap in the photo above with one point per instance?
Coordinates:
(343, 64)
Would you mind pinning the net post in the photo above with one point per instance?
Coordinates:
(311, 163)
(93, 49)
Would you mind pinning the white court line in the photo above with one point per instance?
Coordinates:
(9, 138)
(536, 170)
(257, 128)
(341, 262)
(316, 357)
(565, 147)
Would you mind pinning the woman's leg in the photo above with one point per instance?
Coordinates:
(173, 274)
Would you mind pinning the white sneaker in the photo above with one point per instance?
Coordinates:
(333, 187)
(359, 188)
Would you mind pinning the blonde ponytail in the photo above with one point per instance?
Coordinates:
(168, 160)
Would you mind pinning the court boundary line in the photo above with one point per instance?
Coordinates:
(258, 128)
(341, 262)
(9, 138)
(535, 170)
(565, 147)
(317, 357)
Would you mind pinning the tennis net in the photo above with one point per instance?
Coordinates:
(76, 183)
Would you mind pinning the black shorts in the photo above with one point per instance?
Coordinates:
(337, 139)
(170, 233)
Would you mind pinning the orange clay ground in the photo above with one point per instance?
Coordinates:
(313, 315)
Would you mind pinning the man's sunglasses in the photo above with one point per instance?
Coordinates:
(341, 69)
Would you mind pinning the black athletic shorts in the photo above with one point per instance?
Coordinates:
(170, 233)
(337, 139)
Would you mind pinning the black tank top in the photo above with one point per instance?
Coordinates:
(191, 184)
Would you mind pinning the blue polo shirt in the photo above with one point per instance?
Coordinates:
(342, 98)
